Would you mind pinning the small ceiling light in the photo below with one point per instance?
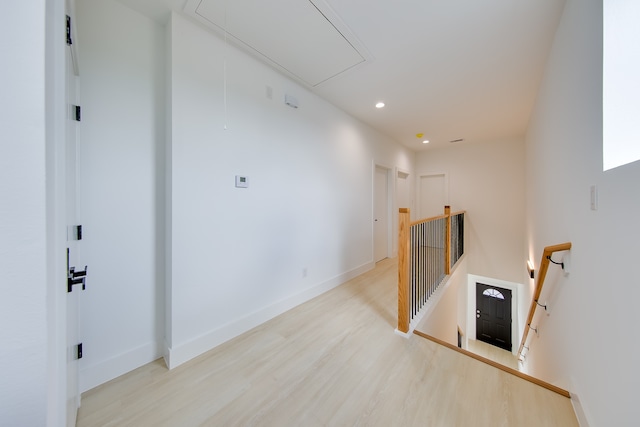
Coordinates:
(426, 141)
(380, 105)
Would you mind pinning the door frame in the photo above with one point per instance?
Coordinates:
(419, 192)
(390, 199)
(396, 205)
(56, 282)
(516, 333)
(72, 73)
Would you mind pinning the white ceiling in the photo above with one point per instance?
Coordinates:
(450, 69)
(309, 48)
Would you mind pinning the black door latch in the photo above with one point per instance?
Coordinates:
(76, 278)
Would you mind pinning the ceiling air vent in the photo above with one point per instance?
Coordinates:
(453, 141)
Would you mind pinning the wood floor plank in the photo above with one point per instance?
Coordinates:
(333, 361)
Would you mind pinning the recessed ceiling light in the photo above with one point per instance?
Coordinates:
(380, 105)
(426, 141)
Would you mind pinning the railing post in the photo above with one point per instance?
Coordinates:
(403, 269)
(447, 239)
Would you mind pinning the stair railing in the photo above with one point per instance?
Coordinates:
(542, 273)
(428, 250)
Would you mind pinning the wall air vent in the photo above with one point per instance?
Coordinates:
(304, 39)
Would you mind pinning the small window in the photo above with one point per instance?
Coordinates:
(620, 92)
(493, 293)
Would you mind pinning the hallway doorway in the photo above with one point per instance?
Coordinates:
(381, 214)
(433, 195)
(493, 315)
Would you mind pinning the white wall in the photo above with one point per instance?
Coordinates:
(443, 319)
(238, 254)
(487, 181)
(233, 257)
(23, 262)
(121, 196)
(588, 342)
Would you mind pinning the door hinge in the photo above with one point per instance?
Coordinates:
(76, 113)
(74, 232)
(69, 41)
(79, 351)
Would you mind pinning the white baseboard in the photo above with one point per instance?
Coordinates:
(402, 334)
(579, 410)
(101, 372)
(186, 351)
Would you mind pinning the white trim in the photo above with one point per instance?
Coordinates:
(184, 352)
(419, 192)
(75, 58)
(390, 203)
(402, 171)
(55, 158)
(403, 334)
(396, 206)
(579, 410)
(471, 307)
(166, 354)
(109, 369)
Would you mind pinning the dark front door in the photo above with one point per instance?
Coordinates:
(493, 315)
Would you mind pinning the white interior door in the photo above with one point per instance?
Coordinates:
(433, 195)
(73, 242)
(381, 215)
(403, 195)
(433, 198)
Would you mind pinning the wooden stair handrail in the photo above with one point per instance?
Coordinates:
(431, 218)
(542, 273)
(496, 365)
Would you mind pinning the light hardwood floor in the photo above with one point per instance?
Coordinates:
(333, 361)
(496, 354)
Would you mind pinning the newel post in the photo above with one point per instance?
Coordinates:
(447, 241)
(403, 269)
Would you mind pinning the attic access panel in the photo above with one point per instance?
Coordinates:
(305, 39)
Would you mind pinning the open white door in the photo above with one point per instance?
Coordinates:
(381, 215)
(403, 195)
(433, 195)
(74, 234)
